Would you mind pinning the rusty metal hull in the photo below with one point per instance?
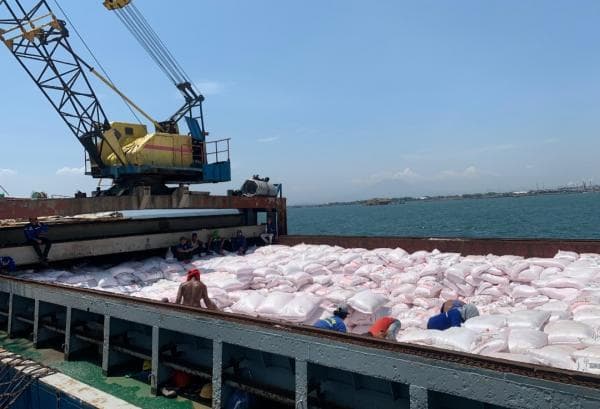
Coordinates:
(24, 208)
(518, 247)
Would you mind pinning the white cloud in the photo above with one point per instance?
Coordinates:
(210, 87)
(267, 140)
(409, 176)
(64, 171)
(406, 175)
(529, 166)
(7, 172)
(469, 172)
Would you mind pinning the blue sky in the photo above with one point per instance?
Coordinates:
(342, 100)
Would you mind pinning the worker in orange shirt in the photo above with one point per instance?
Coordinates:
(385, 328)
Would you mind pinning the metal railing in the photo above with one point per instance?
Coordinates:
(219, 150)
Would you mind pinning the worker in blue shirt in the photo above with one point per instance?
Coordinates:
(7, 264)
(336, 322)
(35, 233)
(183, 250)
(452, 314)
(239, 243)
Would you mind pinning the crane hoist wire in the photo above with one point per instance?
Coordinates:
(142, 31)
(94, 58)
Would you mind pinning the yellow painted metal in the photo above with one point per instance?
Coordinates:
(115, 4)
(155, 149)
(112, 146)
(129, 131)
(29, 35)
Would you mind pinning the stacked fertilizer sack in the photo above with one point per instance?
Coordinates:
(538, 310)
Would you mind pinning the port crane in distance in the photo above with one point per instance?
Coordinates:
(127, 153)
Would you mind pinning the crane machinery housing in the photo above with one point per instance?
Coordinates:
(127, 153)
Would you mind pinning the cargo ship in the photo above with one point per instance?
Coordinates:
(283, 364)
(69, 346)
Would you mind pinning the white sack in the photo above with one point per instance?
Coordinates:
(248, 304)
(558, 356)
(367, 301)
(568, 332)
(522, 340)
(533, 319)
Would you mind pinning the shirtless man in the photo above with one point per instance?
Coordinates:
(192, 291)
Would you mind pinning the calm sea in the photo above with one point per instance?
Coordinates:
(551, 216)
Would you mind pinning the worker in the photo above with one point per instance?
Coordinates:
(183, 250)
(385, 328)
(452, 314)
(7, 264)
(215, 243)
(335, 322)
(239, 243)
(36, 232)
(196, 245)
(270, 232)
(193, 291)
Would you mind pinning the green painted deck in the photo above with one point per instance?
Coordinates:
(130, 390)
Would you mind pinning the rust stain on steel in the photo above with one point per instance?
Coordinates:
(23, 208)
(500, 365)
(518, 247)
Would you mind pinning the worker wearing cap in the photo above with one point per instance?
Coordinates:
(336, 322)
(385, 328)
(193, 291)
(452, 314)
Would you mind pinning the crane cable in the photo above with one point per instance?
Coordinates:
(158, 39)
(94, 57)
(139, 36)
(151, 38)
(142, 31)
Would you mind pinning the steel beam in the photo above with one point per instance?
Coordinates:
(217, 375)
(480, 384)
(154, 377)
(69, 339)
(25, 255)
(23, 208)
(106, 346)
(36, 324)
(72, 229)
(301, 384)
(419, 397)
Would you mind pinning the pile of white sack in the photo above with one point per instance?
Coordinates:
(537, 310)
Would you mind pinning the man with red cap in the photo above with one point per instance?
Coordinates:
(193, 291)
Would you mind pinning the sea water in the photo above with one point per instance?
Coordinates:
(574, 216)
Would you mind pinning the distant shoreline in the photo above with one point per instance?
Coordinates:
(379, 201)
